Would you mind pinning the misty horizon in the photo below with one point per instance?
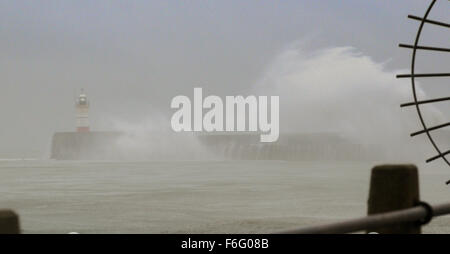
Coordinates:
(132, 58)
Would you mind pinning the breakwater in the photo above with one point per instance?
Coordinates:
(84, 145)
(231, 146)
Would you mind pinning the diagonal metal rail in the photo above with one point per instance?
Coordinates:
(424, 75)
(441, 155)
(373, 221)
(425, 102)
(424, 48)
(429, 21)
(430, 129)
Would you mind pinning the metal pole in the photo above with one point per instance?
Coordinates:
(373, 221)
(360, 224)
(400, 180)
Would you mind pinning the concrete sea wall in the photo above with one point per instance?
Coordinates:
(83, 145)
(237, 146)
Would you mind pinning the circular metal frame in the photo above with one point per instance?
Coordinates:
(413, 82)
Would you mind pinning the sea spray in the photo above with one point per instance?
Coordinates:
(340, 90)
(334, 90)
(152, 140)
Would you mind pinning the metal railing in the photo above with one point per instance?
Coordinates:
(393, 206)
(416, 214)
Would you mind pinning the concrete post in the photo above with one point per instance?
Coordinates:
(394, 187)
(9, 222)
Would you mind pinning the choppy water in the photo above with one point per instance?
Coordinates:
(194, 197)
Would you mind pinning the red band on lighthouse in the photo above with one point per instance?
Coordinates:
(82, 129)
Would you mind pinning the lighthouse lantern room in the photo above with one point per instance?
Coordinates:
(82, 112)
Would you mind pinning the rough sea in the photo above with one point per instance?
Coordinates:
(195, 196)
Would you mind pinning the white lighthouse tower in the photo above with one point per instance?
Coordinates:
(82, 112)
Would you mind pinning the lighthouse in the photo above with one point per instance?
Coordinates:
(82, 112)
(84, 144)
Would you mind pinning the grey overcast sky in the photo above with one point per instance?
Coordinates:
(132, 57)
